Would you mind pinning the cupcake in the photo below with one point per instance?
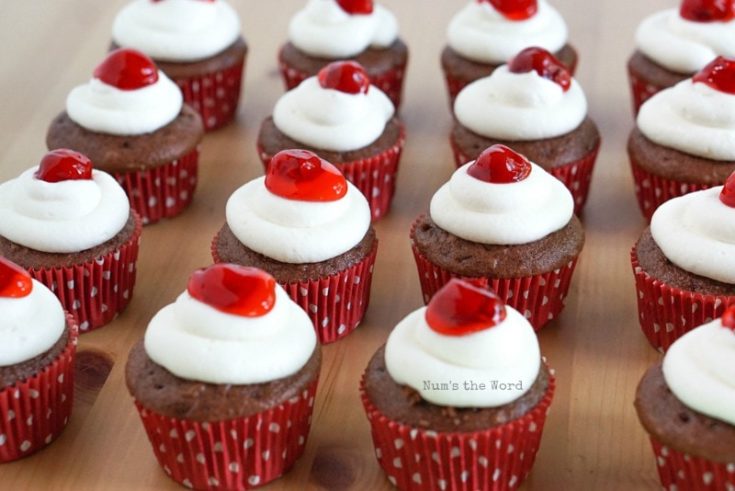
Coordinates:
(486, 34)
(131, 121)
(72, 228)
(196, 43)
(533, 105)
(501, 222)
(305, 224)
(684, 139)
(346, 121)
(684, 264)
(673, 45)
(226, 405)
(687, 406)
(469, 409)
(37, 347)
(358, 30)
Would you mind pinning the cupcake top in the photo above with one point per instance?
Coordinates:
(684, 40)
(302, 211)
(62, 205)
(31, 317)
(127, 95)
(233, 325)
(465, 337)
(698, 368)
(533, 97)
(696, 116)
(338, 110)
(177, 30)
(342, 28)
(696, 232)
(503, 199)
(493, 31)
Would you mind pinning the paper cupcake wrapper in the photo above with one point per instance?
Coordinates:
(375, 177)
(416, 459)
(335, 304)
(35, 411)
(236, 454)
(683, 472)
(641, 90)
(576, 176)
(95, 292)
(540, 298)
(666, 313)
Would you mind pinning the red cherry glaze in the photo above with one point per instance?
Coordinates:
(514, 9)
(15, 282)
(233, 289)
(719, 74)
(346, 76)
(127, 69)
(727, 195)
(500, 165)
(303, 176)
(461, 308)
(543, 63)
(353, 7)
(64, 165)
(728, 318)
(707, 10)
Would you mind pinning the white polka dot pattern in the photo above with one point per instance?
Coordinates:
(641, 91)
(680, 471)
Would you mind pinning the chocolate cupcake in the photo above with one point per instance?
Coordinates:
(687, 406)
(486, 34)
(37, 348)
(533, 105)
(196, 43)
(357, 30)
(225, 380)
(341, 117)
(469, 409)
(504, 223)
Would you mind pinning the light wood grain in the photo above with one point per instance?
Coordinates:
(592, 439)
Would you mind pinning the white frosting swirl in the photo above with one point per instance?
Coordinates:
(682, 45)
(100, 107)
(294, 231)
(324, 30)
(698, 369)
(330, 119)
(29, 326)
(697, 233)
(482, 34)
(62, 217)
(520, 106)
(502, 214)
(177, 30)
(693, 118)
(197, 342)
(507, 353)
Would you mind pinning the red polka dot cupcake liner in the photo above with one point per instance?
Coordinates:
(35, 411)
(498, 459)
(164, 191)
(95, 292)
(666, 313)
(236, 454)
(641, 90)
(684, 472)
(576, 176)
(375, 177)
(540, 298)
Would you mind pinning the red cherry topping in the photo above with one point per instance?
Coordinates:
(346, 76)
(719, 74)
(303, 176)
(707, 10)
(127, 69)
(728, 318)
(237, 290)
(461, 308)
(15, 282)
(727, 195)
(515, 9)
(64, 165)
(356, 6)
(500, 165)
(543, 63)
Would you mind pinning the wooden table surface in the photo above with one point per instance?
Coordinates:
(592, 438)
